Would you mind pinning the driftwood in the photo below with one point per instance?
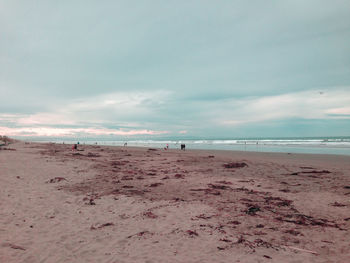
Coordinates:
(302, 250)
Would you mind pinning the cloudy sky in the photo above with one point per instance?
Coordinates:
(175, 68)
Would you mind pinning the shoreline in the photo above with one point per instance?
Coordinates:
(135, 204)
(330, 155)
(307, 149)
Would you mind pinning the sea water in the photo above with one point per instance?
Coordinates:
(316, 145)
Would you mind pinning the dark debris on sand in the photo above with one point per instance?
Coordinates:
(235, 165)
(240, 211)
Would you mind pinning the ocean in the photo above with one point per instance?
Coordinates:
(315, 145)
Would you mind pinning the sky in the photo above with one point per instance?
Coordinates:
(196, 69)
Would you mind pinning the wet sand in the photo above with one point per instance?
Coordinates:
(125, 204)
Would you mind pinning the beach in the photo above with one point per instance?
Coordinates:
(133, 204)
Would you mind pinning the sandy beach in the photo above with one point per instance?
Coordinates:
(126, 204)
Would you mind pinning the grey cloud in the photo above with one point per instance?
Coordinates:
(203, 52)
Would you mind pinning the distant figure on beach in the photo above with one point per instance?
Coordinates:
(183, 146)
(166, 147)
(74, 147)
(125, 144)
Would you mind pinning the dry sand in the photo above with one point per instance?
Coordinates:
(123, 204)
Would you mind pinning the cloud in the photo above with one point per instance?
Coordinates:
(54, 131)
(11, 118)
(311, 104)
(198, 66)
(237, 48)
(90, 116)
(118, 108)
(339, 111)
(162, 112)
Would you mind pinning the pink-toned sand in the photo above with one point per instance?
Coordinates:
(123, 204)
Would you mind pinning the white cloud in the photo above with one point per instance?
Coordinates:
(92, 113)
(154, 113)
(339, 111)
(118, 108)
(53, 131)
(310, 104)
